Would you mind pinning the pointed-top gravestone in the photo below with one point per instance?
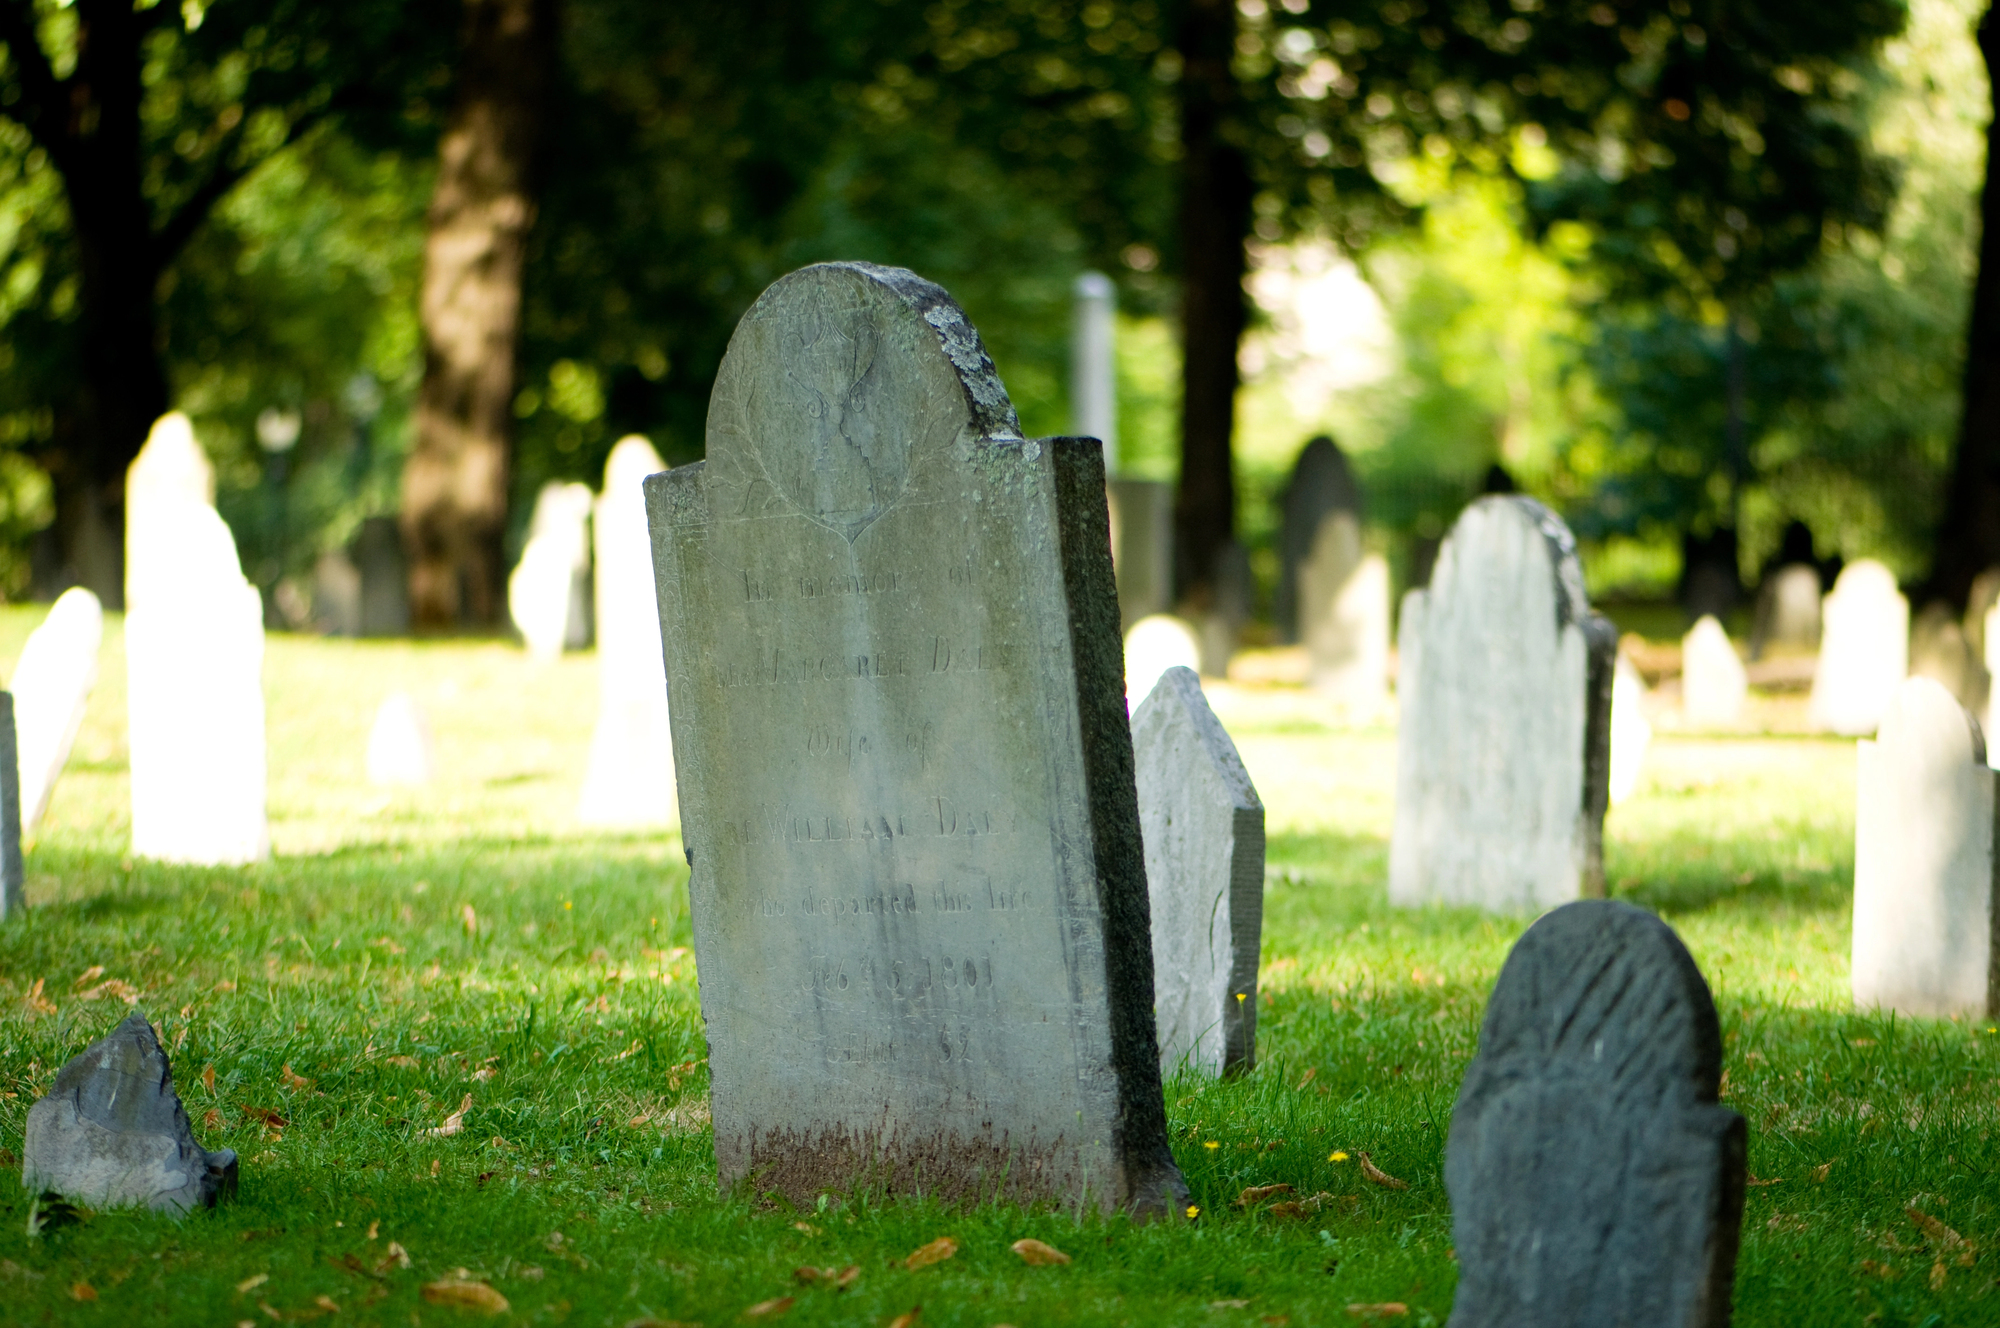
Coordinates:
(1924, 870)
(1714, 685)
(1204, 829)
(1864, 650)
(1322, 487)
(1503, 749)
(112, 1133)
(918, 886)
(194, 662)
(51, 687)
(1594, 1177)
(630, 780)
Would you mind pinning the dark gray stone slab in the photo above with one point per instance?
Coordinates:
(1595, 1180)
(112, 1134)
(892, 650)
(1322, 485)
(385, 578)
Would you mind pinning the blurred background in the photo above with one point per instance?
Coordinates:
(1690, 271)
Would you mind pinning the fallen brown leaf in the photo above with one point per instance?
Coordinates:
(298, 1083)
(1388, 1309)
(208, 1078)
(88, 976)
(265, 1117)
(1298, 1209)
(1754, 1182)
(211, 1119)
(327, 1303)
(401, 1062)
(249, 1284)
(454, 1122)
(124, 991)
(82, 1291)
(1948, 1243)
(908, 1318)
(465, 1294)
(1819, 1172)
(469, 918)
(1228, 1304)
(1938, 1274)
(845, 1278)
(1308, 1077)
(1881, 1270)
(374, 1229)
(36, 1002)
(1378, 1176)
(936, 1252)
(394, 1257)
(768, 1309)
(1257, 1194)
(1035, 1253)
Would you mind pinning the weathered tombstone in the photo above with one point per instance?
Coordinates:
(385, 577)
(1864, 650)
(1787, 612)
(1631, 733)
(12, 877)
(1503, 749)
(630, 780)
(1219, 622)
(1595, 1178)
(112, 1132)
(399, 744)
(1321, 487)
(336, 594)
(1204, 832)
(1343, 614)
(1939, 651)
(918, 883)
(1153, 646)
(51, 687)
(550, 586)
(194, 660)
(1924, 872)
(1142, 545)
(1714, 685)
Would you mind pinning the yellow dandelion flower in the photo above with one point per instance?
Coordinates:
(1211, 1144)
(1193, 1211)
(1336, 1156)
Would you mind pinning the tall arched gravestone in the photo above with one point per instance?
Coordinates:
(1503, 752)
(1924, 866)
(1594, 1177)
(892, 650)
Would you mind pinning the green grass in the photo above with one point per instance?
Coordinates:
(582, 1184)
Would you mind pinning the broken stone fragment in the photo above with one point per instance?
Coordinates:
(112, 1132)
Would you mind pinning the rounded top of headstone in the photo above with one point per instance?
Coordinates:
(171, 464)
(73, 609)
(1600, 990)
(1865, 578)
(840, 385)
(632, 459)
(1706, 634)
(1093, 286)
(1926, 720)
(1156, 644)
(1485, 523)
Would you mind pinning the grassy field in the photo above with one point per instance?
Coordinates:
(469, 946)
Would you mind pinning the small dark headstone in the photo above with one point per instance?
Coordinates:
(1594, 1177)
(1321, 485)
(11, 874)
(112, 1133)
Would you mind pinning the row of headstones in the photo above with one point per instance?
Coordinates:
(941, 886)
(194, 647)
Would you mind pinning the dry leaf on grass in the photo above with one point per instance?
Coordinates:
(1228, 1304)
(936, 1252)
(1034, 1252)
(252, 1283)
(1881, 1270)
(465, 1294)
(82, 1291)
(211, 1119)
(1257, 1194)
(454, 1122)
(1300, 1209)
(768, 1309)
(298, 1083)
(837, 1278)
(264, 1116)
(395, 1257)
(1378, 1176)
(401, 1062)
(88, 976)
(374, 1229)
(1948, 1243)
(1753, 1181)
(908, 1318)
(1819, 1172)
(1388, 1309)
(124, 991)
(36, 1002)
(327, 1303)
(208, 1078)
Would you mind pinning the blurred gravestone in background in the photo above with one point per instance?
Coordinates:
(1321, 486)
(385, 597)
(1204, 832)
(194, 659)
(400, 751)
(1631, 731)
(918, 885)
(1503, 748)
(1595, 1178)
(548, 594)
(630, 780)
(1714, 685)
(51, 686)
(1153, 646)
(1864, 650)
(1924, 866)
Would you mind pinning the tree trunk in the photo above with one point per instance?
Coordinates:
(1214, 221)
(455, 482)
(1969, 539)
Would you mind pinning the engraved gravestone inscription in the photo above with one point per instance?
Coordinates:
(906, 780)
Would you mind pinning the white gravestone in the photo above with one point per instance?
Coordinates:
(1631, 733)
(1864, 650)
(1990, 635)
(1503, 748)
(546, 592)
(630, 780)
(194, 661)
(51, 687)
(1153, 646)
(918, 882)
(399, 744)
(1714, 685)
(1787, 614)
(1923, 861)
(1344, 617)
(1204, 831)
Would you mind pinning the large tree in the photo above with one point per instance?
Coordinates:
(152, 114)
